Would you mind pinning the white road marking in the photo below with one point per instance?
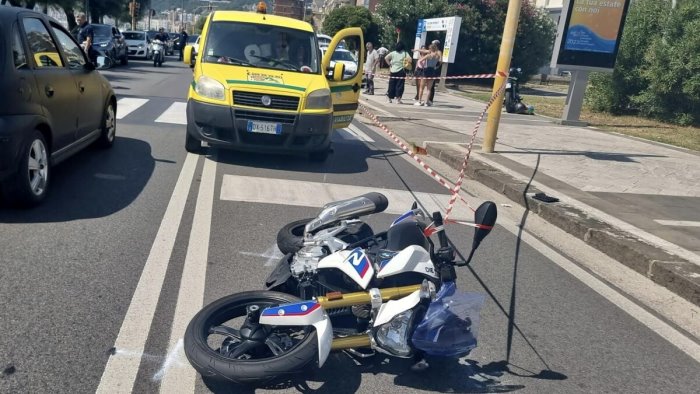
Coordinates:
(175, 114)
(120, 372)
(127, 105)
(673, 336)
(180, 376)
(169, 361)
(359, 134)
(313, 194)
(677, 223)
(271, 254)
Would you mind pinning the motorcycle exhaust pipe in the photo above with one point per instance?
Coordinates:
(350, 342)
(339, 300)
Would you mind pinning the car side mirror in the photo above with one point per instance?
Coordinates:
(338, 71)
(187, 56)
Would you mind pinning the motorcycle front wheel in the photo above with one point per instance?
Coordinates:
(223, 342)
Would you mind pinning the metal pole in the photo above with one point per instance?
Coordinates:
(509, 31)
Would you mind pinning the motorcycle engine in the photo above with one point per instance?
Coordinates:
(305, 261)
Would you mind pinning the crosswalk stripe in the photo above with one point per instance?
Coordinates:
(175, 114)
(313, 194)
(359, 134)
(127, 105)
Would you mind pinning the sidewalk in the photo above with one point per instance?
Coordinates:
(634, 200)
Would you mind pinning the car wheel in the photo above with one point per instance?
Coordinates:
(109, 127)
(29, 186)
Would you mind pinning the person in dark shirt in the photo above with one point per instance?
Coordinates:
(183, 43)
(86, 36)
(162, 36)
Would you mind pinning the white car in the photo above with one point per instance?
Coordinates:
(137, 43)
(343, 56)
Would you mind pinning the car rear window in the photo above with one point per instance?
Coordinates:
(134, 36)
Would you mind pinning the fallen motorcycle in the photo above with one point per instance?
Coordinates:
(392, 292)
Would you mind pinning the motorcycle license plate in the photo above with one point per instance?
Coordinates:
(264, 127)
(508, 85)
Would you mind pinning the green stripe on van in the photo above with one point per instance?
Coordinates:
(341, 88)
(276, 85)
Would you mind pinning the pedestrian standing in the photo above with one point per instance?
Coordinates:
(371, 62)
(438, 69)
(86, 36)
(416, 73)
(183, 43)
(428, 62)
(398, 60)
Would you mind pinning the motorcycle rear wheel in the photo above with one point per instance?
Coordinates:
(290, 237)
(236, 362)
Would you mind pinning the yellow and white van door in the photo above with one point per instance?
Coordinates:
(344, 72)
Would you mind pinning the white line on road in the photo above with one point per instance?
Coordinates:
(664, 330)
(127, 105)
(677, 223)
(120, 372)
(313, 194)
(359, 134)
(179, 376)
(175, 114)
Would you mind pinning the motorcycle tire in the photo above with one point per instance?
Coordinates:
(290, 237)
(510, 105)
(213, 365)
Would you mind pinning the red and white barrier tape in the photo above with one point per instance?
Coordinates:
(457, 185)
(462, 172)
(473, 76)
(408, 151)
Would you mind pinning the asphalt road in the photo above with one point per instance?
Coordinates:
(71, 271)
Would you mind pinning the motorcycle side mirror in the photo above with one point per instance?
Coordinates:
(484, 219)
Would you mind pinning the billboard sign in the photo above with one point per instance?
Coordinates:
(449, 25)
(589, 34)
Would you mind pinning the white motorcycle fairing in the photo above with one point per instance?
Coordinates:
(305, 313)
(392, 308)
(412, 259)
(354, 264)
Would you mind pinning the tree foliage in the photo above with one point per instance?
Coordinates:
(657, 73)
(352, 16)
(480, 32)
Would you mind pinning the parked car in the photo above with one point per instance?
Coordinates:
(343, 56)
(138, 44)
(110, 43)
(54, 103)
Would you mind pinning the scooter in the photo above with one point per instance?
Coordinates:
(158, 53)
(512, 100)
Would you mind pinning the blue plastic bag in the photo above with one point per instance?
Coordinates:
(451, 324)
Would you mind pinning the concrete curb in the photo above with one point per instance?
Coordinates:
(676, 274)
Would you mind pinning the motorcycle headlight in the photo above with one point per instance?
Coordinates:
(393, 336)
(209, 87)
(319, 99)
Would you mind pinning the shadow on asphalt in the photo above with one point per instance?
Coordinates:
(348, 157)
(604, 156)
(92, 184)
(343, 374)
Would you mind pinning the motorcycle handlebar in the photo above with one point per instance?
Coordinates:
(442, 237)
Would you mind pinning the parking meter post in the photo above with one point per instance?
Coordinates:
(509, 31)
